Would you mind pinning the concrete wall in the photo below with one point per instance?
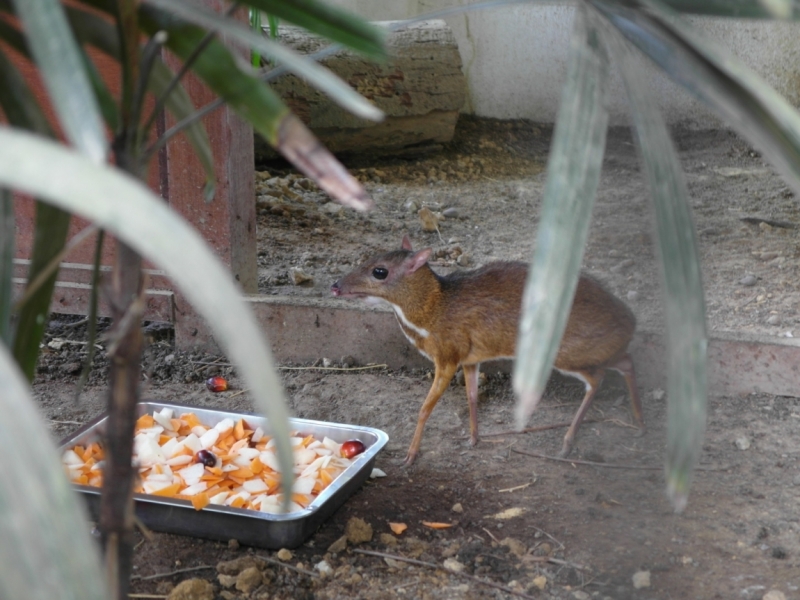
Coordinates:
(515, 58)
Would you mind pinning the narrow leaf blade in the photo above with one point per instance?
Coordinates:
(685, 307)
(42, 522)
(62, 69)
(573, 173)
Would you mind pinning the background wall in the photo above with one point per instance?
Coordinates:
(515, 58)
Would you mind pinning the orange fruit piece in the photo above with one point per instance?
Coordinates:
(145, 422)
(434, 525)
(398, 528)
(201, 500)
(256, 466)
(170, 490)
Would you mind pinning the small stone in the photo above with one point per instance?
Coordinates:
(300, 277)
(227, 581)
(411, 206)
(516, 547)
(358, 531)
(388, 539)
(540, 582)
(70, 368)
(326, 362)
(377, 473)
(233, 544)
(774, 595)
(450, 213)
(338, 546)
(429, 221)
(331, 208)
(580, 595)
(748, 280)
(249, 579)
(742, 443)
(658, 394)
(457, 508)
(284, 555)
(169, 359)
(464, 260)
(641, 579)
(394, 563)
(325, 570)
(796, 480)
(453, 565)
(622, 265)
(348, 361)
(633, 295)
(774, 320)
(192, 589)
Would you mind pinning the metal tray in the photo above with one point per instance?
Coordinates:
(249, 527)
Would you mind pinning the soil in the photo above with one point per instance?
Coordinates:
(534, 526)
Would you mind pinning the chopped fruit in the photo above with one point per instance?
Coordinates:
(352, 448)
(179, 456)
(437, 525)
(217, 384)
(398, 528)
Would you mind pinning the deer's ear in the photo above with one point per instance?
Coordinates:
(419, 259)
(406, 245)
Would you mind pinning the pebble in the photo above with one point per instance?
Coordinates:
(284, 555)
(641, 579)
(621, 266)
(658, 394)
(338, 546)
(450, 213)
(358, 531)
(249, 579)
(429, 221)
(376, 473)
(774, 595)
(464, 260)
(580, 595)
(742, 443)
(453, 565)
(324, 568)
(633, 295)
(331, 208)
(192, 589)
(457, 508)
(411, 206)
(326, 362)
(227, 581)
(774, 320)
(300, 277)
(796, 480)
(748, 280)
(394, 563)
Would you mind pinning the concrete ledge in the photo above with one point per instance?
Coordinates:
(305, 329)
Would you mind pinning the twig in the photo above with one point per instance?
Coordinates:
(566, 563)
(491, 535)
(590, 463)
(517, 487)
(64, 422)
(422, 563)
(543, 532)
(170, 573)
(276, 562)
(535, 429)
(215, 363)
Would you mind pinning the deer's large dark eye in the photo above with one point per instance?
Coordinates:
(380, 272)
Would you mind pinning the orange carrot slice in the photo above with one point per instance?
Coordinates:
(145, 422)
(237, 502)
(256, 466)
(238, 429)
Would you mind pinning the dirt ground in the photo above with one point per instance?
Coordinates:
(534, 526)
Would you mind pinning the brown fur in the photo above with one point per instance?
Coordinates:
(472, 317)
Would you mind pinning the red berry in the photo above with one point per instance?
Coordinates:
(206, 457)
(352, 448)
(217, 384)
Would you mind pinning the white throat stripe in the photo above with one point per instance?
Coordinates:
(401, 315)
